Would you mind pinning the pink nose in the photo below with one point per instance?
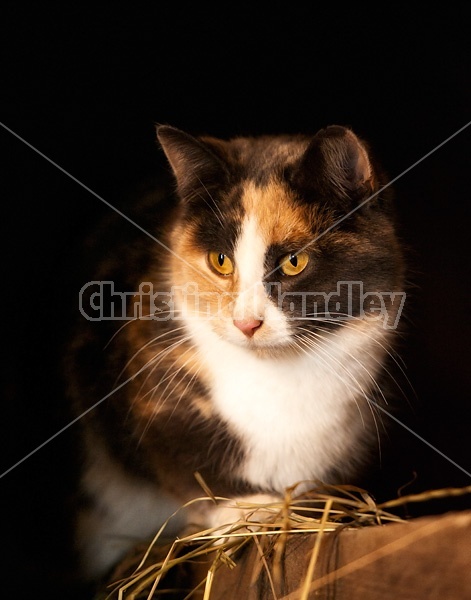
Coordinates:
(248, 326)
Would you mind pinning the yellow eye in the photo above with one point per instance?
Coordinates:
(293, 263)
(221, 263)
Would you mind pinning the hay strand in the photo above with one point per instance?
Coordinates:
(317, 511)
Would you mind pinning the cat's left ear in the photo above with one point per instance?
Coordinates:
(337, 161)
(194, 162)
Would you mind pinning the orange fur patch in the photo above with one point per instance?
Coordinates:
(282, 221)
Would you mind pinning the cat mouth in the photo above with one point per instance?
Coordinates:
(257, 337)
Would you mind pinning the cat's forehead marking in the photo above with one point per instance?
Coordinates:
(250, 253)
(280, 220)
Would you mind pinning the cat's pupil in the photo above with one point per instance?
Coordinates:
(221, 259)
(293, 259)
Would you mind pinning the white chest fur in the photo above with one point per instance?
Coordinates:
(291, 413)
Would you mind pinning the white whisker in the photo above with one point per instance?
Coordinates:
(310, 341)
(151, 342)
(388, 350)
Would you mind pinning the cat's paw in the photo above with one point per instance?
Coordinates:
(232, 518)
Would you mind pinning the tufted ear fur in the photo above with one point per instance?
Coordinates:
(195, 163)
(336, 159)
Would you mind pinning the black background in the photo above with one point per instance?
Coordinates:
(85, 88)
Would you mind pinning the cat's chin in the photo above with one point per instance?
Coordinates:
(265, 348)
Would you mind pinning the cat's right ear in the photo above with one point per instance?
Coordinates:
(194, 162)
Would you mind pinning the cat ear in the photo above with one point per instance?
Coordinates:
(337, 160)
(194, 162)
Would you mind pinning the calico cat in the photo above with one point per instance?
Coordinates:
(248, 340)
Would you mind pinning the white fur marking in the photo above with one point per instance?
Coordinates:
(291, 412)
(252, 300)
(249, 257)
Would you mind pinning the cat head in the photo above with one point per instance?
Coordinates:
(278, 237)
